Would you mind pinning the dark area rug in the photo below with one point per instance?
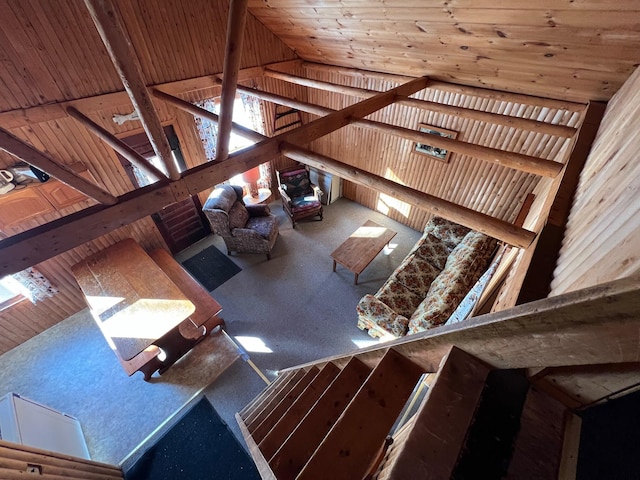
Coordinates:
(199, 446)
(211, 267)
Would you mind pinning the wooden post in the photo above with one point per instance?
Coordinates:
(128, 67)
(118, 145)
(489, 117)
(232, 56)
(16, 147)
(493, 227)
(518, 161)
(201, 112)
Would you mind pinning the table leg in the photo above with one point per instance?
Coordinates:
(355, 279)
(334, 265)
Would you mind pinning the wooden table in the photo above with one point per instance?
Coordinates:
(142, 312)
(362, 247)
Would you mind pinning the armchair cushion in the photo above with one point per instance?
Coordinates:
(296, 182)
(238, 216)
(307, 202)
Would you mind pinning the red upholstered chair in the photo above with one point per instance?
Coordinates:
(300, 197)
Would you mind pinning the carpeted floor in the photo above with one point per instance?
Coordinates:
(186, 451)
(211, 267)
(284, 311)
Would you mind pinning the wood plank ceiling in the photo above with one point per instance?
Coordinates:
(568, 49)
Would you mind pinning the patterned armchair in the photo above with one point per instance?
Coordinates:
(300, 197)
(244, 228)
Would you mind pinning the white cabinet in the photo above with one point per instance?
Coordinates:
(330, 185)
(30, 423)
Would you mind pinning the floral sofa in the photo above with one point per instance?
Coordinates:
(430, 282)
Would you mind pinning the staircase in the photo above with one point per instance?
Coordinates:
(343, 423)
(355, 416)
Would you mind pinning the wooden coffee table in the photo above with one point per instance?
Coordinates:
(362, 247)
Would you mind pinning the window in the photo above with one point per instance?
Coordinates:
(10, 293)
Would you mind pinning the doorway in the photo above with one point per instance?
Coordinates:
(183, 223)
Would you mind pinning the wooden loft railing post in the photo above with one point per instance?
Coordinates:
(128, 67)
(232, 56)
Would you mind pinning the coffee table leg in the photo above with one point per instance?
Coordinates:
(355, 279)
(334, 265)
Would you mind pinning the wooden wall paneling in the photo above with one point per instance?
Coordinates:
(603, 233)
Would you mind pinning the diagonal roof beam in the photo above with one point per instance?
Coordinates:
(22, 150)
(123, 56)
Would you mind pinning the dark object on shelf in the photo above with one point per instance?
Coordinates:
(40, 175)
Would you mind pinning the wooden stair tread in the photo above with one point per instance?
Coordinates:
(273, 400)
(257, 402)
(300, 445)
(359, 433)
(301, 406)
(276, 412)
(538, 446)
(431, 447)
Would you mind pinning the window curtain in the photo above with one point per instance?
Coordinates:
(253, 107)
(207, 130)
(30, 283)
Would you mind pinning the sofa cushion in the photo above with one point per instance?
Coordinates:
(443, 298)
(432, 249)
(399, 298)
(238, 216)
(417, 275)
(448, 232)
(266, 226)
(463, 269)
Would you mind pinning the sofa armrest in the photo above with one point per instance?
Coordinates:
(258, 210)
(382, 315)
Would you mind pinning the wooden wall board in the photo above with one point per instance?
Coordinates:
(602, 240)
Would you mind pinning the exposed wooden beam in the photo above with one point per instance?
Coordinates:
(494, 227)
(440, 85)
(22, 150)
(22, 117)
(518, 161)
(508, 96)
(459, 112)
(319, 84)
(118, 145)
(46, 241)
(123, 56)
(232, 56)
(489, 117)
(468, 217)
(201, 112)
